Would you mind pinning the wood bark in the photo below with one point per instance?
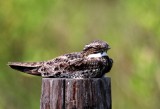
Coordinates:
(59, 93)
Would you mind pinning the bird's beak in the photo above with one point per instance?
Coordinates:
(109, 47)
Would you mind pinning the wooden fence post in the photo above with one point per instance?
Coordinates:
(59, 93)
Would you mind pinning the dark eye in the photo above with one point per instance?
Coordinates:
(101, 52)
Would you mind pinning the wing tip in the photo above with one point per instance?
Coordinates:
(10, 64)
(29, 70)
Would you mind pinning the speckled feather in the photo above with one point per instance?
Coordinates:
(73, 65)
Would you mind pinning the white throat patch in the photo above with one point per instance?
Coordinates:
(97, 55)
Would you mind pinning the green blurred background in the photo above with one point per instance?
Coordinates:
(36, 30)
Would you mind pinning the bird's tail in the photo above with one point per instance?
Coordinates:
(27, 67)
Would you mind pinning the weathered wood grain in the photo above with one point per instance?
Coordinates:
(94, 93)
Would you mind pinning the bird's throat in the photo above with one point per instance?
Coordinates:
(97, 55)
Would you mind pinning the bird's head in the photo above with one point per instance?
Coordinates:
(96, 49)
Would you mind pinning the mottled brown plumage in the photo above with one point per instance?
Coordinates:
(92, 62)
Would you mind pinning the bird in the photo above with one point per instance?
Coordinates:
(92, 62)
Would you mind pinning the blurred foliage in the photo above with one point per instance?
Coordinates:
(36, 30)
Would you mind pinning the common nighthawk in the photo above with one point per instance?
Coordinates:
(91, 62)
